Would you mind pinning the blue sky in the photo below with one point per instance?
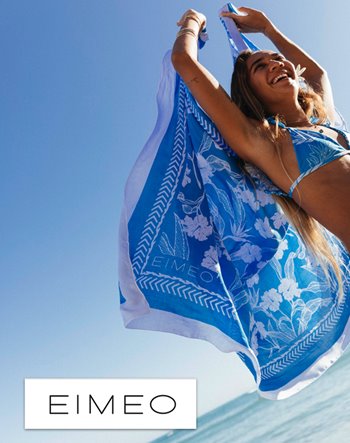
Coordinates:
(78, 86)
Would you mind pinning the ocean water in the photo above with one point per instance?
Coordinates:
(318, 414)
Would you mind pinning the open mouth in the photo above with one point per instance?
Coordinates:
(279, 78)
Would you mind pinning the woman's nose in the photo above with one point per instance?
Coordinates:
(274, 64)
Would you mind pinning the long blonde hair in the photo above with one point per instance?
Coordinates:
(310, 230)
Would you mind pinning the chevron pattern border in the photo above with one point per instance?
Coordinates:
(206, 124)
(295, 353)
(166, 285)
(166, 191)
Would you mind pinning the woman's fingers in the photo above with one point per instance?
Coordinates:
(237, 18)
(252, 20)
(243, 10)
(192, 13)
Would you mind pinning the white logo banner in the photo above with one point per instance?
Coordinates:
(122, 403)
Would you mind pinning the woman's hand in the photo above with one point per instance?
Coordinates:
(197, 16)
(253, 21)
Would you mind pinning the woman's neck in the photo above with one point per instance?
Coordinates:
(294, 115)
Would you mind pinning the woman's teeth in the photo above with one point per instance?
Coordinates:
(279, 77)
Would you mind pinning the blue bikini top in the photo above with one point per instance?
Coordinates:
(313, 150)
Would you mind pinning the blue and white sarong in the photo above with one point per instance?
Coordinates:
(206, 253)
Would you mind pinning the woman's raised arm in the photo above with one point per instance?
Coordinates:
(235, 127)
(315, 75)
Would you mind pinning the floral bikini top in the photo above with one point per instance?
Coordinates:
(312, 149)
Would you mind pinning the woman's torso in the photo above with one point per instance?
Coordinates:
(324, 187)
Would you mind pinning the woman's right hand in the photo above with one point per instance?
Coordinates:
(198, 16)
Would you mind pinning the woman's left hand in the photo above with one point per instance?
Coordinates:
(253, 21)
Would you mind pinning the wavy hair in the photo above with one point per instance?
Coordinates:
(309, 229)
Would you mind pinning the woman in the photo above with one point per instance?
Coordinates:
(265, 84)
(205, 252)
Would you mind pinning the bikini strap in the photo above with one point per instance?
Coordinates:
(313, 120)
(273, 121)
(297, 181)
(301, 176)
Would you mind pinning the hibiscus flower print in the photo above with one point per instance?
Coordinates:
(271, 300)
(210, 260)
(264, 198)
(263, 227)
(248, 197)
(289, 289)
(197, 227)
(249, 253)
(279, 219)
(253, 280)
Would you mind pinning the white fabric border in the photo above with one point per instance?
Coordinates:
(165, 321)
(142, 166)
(136, 303)
(312, 373)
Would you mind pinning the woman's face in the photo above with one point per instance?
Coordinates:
(272, 77)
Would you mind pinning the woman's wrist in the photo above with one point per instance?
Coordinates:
(186, 31)
(190, 26)
(192, 23)
(269, 30)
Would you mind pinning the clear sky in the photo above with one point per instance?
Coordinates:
(78, 86)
